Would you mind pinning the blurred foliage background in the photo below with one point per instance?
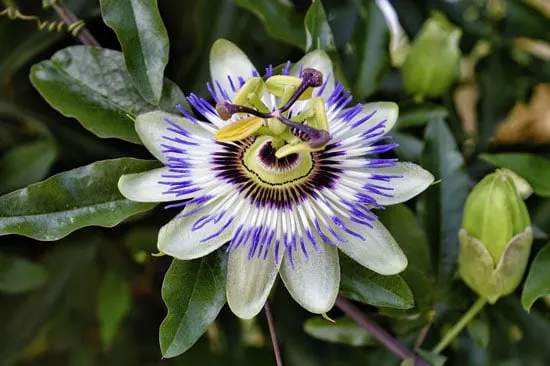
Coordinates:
(93, 297)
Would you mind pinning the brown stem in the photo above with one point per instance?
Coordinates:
(84, 36)
(271, 325)
(383, 337)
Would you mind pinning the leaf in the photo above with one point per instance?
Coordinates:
(537, 283)
(26, 164)
(409, 147)
(478, 329)
(114, 301)
(420, 115)
(408, 233)
(319, 36)
(361, 284)
(344, 330)
(372, 41)
(433, 358)
(318, 32)
(39, 307)
(194, 293)
(280, 19)
(86, 196)
(91, 85)
(18, 275)
(534, 169)
(144, 41)
(443, 202)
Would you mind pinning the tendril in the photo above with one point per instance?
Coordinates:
(59, 26)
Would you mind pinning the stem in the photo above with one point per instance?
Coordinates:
(271, 325)
(383, 337)
(84, 36)
(457, 328)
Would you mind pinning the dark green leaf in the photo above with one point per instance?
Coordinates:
(144, 41)
(361, 284)
(523, 20)
(534, 169)
(409, 147)
(434, 358)
(479, 330)
(420, 115)
(406, 230)
(537, 283)
(372, 40)
(280, 19)
(319, 36)
(443, 202)
(20, 275)
(26, 164)
(91, 85)
(343, 330)
(114, 300)
(194, 293)
(38, 308)
(318, 32)
(86, 196)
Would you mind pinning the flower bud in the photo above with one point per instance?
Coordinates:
(496, 237)
(432, 64)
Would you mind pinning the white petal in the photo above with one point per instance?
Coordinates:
(378, 252)
(179, 240)
(313, 283)
(380, 111)
(415, 180)
(145, 187)
(152, 126)
(320, 61)
(249, 282)
(226, 59)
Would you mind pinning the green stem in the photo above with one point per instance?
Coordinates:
(457, 328)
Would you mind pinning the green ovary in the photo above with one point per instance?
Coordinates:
(262, 165)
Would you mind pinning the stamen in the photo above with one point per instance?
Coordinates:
(311, 78)
(226, 110)
(315, 138)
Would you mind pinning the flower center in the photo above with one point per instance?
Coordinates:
(265, 168)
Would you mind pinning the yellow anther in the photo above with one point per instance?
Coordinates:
(240, 129)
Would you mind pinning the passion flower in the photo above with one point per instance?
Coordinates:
(283, 172)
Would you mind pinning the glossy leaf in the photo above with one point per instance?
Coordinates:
(280, 20)
(113, 305)
(344, 330)
(318, 32)
(144, 42)
(91, 85)
(86, 196)
(420, 115)
(443, 203)
(408, 233)
(194, 293)
(409, 147)
(372, 41)
(534, 169)
(361, 284)
(319, 36)
(537, 283)
(18, 275)
(39, 307)
(26, 164)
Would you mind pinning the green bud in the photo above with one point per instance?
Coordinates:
(432, 64)
(496, 237)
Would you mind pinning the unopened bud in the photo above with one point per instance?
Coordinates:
(432, 64)
(496, 237)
